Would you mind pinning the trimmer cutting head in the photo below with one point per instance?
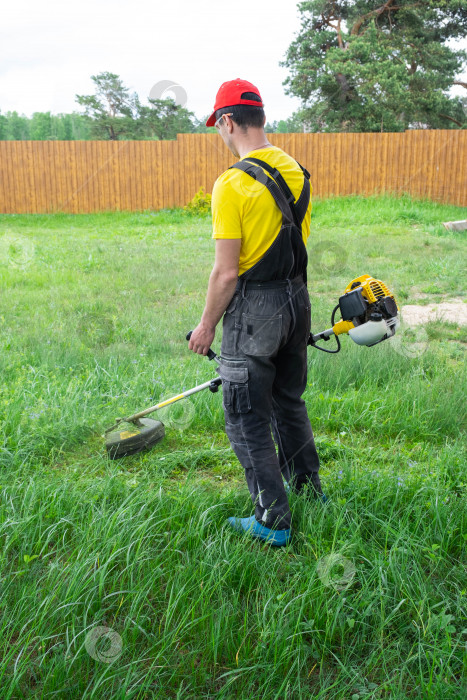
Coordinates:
(143, 434)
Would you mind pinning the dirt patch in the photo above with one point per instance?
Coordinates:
(454, 311)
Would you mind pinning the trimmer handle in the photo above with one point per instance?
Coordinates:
(211, 355)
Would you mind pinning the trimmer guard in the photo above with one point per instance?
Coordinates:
(142, 435)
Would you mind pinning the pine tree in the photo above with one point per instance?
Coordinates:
(361, 65)
(112, 110)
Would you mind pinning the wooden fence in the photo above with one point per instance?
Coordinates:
(90, 176)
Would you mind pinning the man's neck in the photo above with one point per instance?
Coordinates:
(253, 144)
(254, 148)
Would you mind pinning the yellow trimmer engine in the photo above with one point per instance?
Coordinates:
(369, 312)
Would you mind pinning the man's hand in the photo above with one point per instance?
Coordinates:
(201, 339)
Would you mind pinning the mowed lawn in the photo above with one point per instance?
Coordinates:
(119, 578)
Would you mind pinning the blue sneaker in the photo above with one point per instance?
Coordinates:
(251, 526)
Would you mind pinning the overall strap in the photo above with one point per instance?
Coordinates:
(258, 174)
(276, 176)
(300, 207)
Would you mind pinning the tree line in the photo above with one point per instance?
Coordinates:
(112, 113)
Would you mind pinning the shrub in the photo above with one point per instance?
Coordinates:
(200, 204)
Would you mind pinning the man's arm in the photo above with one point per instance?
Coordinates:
(221, 287)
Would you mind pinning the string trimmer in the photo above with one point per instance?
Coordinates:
(146, 432)
(369, 314)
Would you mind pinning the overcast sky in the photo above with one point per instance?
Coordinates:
(49, 50)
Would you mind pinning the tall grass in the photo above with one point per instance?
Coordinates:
(368, 601)
(202, 614)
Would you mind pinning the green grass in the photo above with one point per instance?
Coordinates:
(93, 315)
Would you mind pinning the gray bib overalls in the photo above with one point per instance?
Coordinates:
(264, 361)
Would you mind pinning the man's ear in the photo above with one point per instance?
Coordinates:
(264, 121)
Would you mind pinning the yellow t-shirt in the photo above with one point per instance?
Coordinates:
(244, 208)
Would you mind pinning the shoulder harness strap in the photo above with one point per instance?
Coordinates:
(301, 205)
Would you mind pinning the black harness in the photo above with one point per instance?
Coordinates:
(286, 258)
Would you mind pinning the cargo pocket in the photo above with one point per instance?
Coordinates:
(260, 335)
(235, 392)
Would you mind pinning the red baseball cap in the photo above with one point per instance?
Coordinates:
(230, 94)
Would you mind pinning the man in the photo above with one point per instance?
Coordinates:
(261, 222)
